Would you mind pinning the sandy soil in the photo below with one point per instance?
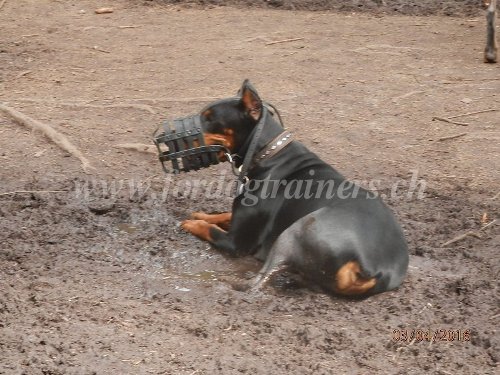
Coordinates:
(97, 278)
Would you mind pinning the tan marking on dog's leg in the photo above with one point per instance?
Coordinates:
(222, 220)
(350, 282)
(199, 228)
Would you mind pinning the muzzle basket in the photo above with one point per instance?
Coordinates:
(185, 145)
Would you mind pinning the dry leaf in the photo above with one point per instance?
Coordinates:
(484, 218)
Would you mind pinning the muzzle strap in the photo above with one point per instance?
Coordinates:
(186, 148)
(252, 148)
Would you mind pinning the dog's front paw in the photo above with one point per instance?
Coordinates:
(199, 228)
(189, 225)
(199, 216)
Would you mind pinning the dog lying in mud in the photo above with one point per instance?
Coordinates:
(294, 211)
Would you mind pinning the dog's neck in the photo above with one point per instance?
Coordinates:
(270, 131)
(275, 146)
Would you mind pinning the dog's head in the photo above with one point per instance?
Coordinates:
(221, 129)
(229, 122)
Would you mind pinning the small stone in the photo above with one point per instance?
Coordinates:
(104, 10)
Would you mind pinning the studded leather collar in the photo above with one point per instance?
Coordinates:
(275, 146)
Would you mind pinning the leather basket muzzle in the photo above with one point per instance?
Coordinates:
(185, 146)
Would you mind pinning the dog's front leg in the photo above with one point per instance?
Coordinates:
(211, 233)
(222, 220)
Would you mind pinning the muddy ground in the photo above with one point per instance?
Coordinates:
(97, 278)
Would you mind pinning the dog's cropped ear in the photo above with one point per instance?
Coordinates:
(251, 100)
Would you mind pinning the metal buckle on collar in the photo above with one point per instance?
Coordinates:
(186, 148)
(231, 159)
(241, 185)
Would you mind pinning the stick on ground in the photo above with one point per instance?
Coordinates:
(149, 149)
(468, 234)
(451, 137)
(56, 137)
(143, 107)
(283, 41)
(460, 238)
(474, 113)
(450, 121)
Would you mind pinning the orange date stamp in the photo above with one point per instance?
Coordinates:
(431, 335)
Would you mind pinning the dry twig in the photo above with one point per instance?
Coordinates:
(52, 134)
(488, 225)
(452, 137)
(96, 48)
(468, 234)
(140, 106)
(149, 149)
(450, 121)
(408, 94)
(449, 118)
(474, 113)
(460, 238)
(143, 107)
(22, 74)
(283, 41)
(202, 99)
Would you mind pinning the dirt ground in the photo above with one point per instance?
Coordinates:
(374, 7)
(97, 278)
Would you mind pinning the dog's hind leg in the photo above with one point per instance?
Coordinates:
(279, 258)
(272, 267)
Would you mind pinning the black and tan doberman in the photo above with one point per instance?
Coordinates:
(297, 212)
